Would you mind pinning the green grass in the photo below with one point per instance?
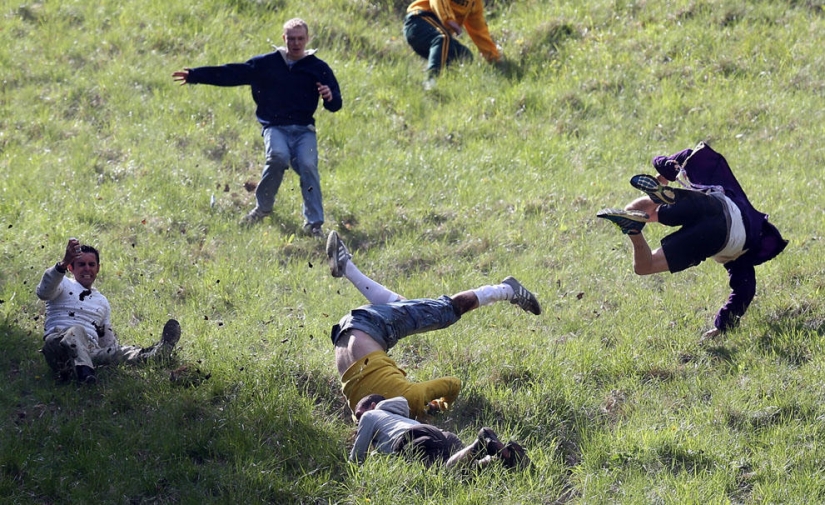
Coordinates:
(489, 174)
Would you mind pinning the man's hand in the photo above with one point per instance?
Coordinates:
(182, 76)
(324, 91)
(72, 252)
(455, 27)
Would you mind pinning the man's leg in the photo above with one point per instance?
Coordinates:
(304, 149)
(133, 354)
(70, 351)
(341, 265)
(509, 290)
(277, 161)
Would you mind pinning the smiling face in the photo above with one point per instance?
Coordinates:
(296, 39)
(85, 268)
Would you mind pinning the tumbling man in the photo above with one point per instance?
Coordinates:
(364, 335)
(78, 329)
(717, 221)
(285, 85)
(385, 424)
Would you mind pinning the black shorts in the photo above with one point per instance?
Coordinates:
(704, 229)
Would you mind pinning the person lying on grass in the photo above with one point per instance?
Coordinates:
(364, 335)
(78, 328)
(717, 221)
(385, 425)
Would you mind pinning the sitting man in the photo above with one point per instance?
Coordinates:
(717, 221)
(78, 329)
(364, 335)
(386, 425)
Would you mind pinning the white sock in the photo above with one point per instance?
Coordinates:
(372, 291)
(491, 294)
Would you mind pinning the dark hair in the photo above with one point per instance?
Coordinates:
(365, 402)
(89, 249)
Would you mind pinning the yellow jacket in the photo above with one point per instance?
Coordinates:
(467, 13)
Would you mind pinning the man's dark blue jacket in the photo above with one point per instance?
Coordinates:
(284, 95)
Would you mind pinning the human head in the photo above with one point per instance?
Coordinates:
(86, 266)
(365, 404)
(296, 36)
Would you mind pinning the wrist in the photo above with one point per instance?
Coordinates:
(60, 267)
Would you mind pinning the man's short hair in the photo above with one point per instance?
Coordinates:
(367, 400)
(89, 249)
(296, 23)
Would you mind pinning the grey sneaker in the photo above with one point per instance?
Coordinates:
(255, 215)
(650, 185)
(314, 229)
(337, 254)
(631, 222)
(522, 297)
(171, 334)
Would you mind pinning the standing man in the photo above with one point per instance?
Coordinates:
(364, 335)
(432, 28)
(286, 85)
(717, 221)
(78, 331)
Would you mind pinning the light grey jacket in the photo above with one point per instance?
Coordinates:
(381, 427)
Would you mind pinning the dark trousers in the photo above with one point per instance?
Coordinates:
(432, 40)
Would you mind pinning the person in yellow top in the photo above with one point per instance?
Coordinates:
(432, 28)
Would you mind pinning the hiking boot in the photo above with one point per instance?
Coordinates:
(631, 222)
(657, 192)
(314, 229)
(85, 375)
(255, 215)
(522, 297)
(171, 334)
(337, 254)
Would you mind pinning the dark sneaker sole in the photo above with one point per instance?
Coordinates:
(336, 267)
(650, 185)
(631, 222)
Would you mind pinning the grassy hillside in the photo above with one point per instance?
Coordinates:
(492, 173)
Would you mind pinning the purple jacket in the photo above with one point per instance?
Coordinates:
(705, 167)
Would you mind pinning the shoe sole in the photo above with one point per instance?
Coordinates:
(333, 241)
(658, 193)
(630, 222)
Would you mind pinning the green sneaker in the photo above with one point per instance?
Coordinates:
(631, 222)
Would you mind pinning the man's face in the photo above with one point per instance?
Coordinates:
(85, 268)
(361, 410)
(296, 42)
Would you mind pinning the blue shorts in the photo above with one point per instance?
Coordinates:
(387, 323)
(704, 229)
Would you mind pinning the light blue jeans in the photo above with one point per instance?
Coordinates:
(295, 146)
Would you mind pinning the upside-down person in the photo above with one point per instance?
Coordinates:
(717, 221)
(364, 335)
